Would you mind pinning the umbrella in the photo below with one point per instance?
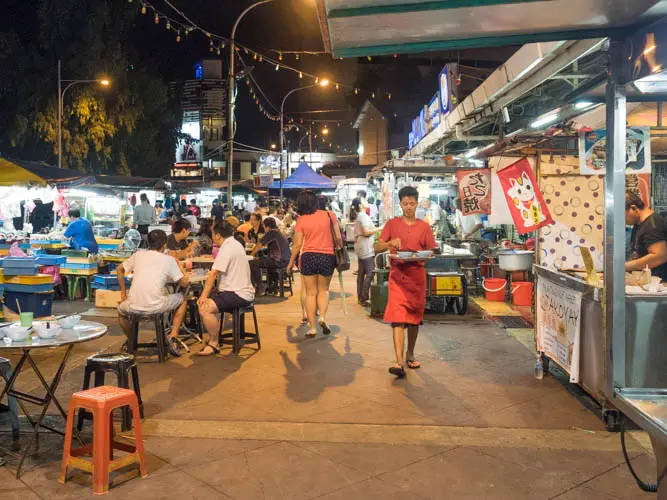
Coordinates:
(17, 172)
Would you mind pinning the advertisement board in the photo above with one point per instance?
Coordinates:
(593, 151)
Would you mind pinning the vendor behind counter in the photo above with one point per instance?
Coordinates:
(648, 241)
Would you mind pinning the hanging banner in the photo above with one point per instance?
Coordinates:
(524, 198)
(475, 191)
(559, 325)
(593, 151)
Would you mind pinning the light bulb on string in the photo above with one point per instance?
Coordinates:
(178, 36)
(389, 96)
(337, 87)
(223, 45)
(280, 56)
(245, 51)
(218, 51)
(254, 56)
(356, 91)
(168, 25)
(369, 58)
(260, 58)
(277, 67)
(297, 57)
(373, 95)
(210, 46)
(129, 1)
(157, 19)
(143, 9)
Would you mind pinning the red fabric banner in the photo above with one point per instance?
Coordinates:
(475, 191)
(526, 203)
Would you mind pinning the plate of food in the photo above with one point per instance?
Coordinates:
(410, 256)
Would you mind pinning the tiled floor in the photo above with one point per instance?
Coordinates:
(322, 418)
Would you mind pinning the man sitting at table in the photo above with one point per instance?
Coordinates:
(279, 253)
(177, 242)
(234, 289)
(152, 270)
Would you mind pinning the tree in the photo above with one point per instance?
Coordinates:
(123, 169)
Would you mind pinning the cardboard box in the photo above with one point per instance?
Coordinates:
(107, 299)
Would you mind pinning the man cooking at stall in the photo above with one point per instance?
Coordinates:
(648, 241)
(407, 280)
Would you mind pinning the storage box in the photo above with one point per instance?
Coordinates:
(78, 272)
(75, 253)
(20, 271)
(51, 260)
(38, 279)
(29, 288)
(37, 303)
(81, 260)
(70, 265)
(107, 299)
(16, 262)
(106, 280)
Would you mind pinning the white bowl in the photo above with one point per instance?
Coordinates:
(405, 255)
(47, 333)
(70, 322)
(424, 254)
(16, 333)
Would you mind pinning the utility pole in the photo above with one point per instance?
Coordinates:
(231, 98)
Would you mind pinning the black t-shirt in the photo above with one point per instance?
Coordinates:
(218, 212)
(645, 234)
(172, 244)
(277, 244)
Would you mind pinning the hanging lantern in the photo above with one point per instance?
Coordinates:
(143, 9)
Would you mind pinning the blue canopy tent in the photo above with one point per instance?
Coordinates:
(305, 177)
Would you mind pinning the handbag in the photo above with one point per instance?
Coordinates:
(340, 250)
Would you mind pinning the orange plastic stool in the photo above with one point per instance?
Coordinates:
(100, 401)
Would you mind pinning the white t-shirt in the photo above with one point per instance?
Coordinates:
(152, 270)
(193, 222)
(232, 264)
(467, 223)
(436, 212)
(250, 206)
(374, 211)
(363, 245)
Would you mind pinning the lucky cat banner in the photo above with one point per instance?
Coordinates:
(475, 191)
(524, 199)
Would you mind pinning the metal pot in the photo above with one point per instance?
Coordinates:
(515, 260)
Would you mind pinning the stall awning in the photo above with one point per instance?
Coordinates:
(118, 181)
(19, 172)
(305, 177)
(353, 28)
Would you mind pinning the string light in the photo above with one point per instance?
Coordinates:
(218, 51)
(280, 56)
(254, 56)
(277, 67)
(356, 91)
(210, 46)
(157, 19)
(297, 57)
(168, 25)
(373, 95)
(389, 96)
(300, 74)
(337, 87)
(143, 9)
(178, 36)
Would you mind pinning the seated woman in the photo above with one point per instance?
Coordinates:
(205, 237)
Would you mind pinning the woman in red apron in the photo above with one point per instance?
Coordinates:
(407, 280)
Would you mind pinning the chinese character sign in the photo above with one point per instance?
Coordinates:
(475, 191)
(524, 198)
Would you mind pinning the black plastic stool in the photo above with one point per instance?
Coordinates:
(239, 337)
(282, 273)
(122, 365)
(160, 335)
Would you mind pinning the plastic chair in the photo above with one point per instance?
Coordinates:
(160, 335)
(123, 365)
(101, 401)
(239, 337)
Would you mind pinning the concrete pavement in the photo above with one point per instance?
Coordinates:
(322, 418)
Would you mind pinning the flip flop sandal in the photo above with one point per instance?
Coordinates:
(311, 333)
(304, 321)
(413, 364)
(214, 350)
(325, 328)
(397, 371)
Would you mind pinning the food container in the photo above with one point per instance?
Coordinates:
(405, 255)
(46, 333)
(424, 254)
(70, 322)
(16, 333)
(515, 260)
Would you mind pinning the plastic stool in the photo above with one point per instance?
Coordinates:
(160, 335)
(282, 273)
(101, 401)
(6, 373)
(122, 365)
(239, 337)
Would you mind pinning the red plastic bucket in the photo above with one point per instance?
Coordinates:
(522, 293)
(495, 289)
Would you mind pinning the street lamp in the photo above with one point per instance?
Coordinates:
(61, 98)
(231, 98)
(323, 82)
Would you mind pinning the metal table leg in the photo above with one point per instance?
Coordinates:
(44, 402)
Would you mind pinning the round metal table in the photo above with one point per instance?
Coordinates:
(84, 331)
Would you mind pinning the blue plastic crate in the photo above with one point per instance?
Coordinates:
(20, 271)
(108, 279)
(106, 246)
(51, 260)
(69, 265)
(10, 287)
(14, 262)
(39, 304)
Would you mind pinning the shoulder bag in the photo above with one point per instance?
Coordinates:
(340, 250)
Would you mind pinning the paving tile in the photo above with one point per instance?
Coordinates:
(186, 452)
(465, 473)
(12, 488)
(281, 471)
(584, 493)
(373, 459)
(620, 483)
(175, 486)
(371, 489)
